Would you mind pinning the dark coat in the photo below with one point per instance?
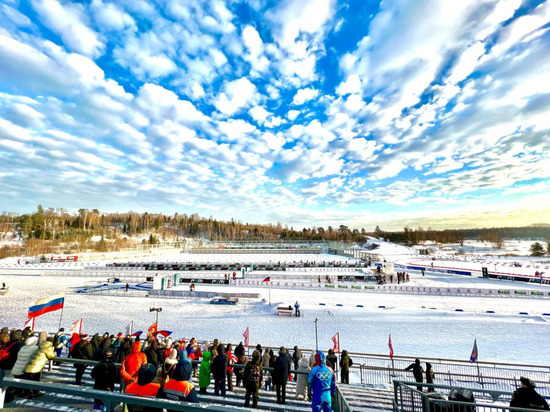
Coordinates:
(528, 398)
(248, 367)
(106, 375)
(239, 351)
(345, 362)
(331, 360)
(418, 371)
(219, 365)
(83, 350)
(14, 346)
(296, 356)
(153, 355)
(281, 369)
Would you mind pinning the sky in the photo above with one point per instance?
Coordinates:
(308, 113)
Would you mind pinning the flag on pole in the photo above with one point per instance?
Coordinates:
(246, 336)
(76, 327)
(46, 305)
(267, 279)
(391, 347)
(29, 323)
(165, 333)
(152, 329)
(138, 333)
(473, 356)
(336, 340)
(129, 328)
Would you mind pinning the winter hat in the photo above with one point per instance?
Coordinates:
(282, 350)
(527, 382)
(83, 336)
(62, 330)
(146, 374)
(182, 372)
(320, 357)
(119, 335)
(172, 358)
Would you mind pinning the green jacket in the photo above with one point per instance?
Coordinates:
(204, 372)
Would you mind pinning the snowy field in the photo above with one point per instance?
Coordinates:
(420, 325)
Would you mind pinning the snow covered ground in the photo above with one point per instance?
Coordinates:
(420, 325)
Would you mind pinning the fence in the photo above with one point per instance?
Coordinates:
(407, 398)
(485, 375)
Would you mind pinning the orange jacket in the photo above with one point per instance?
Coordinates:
(150, 389)
(132, 363)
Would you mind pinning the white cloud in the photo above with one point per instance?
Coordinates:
(69, 22)
(292, 114)
(351, 85)
(304, 95)
(110, 17)
(259, 114)
(236, 95)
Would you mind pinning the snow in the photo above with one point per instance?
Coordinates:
(420, 325)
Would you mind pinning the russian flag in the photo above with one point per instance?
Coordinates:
(165, 333)
(267, 279)
(46, 305)
(138, 333)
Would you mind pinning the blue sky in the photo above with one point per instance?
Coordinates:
(308, 113)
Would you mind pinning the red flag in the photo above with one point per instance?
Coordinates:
(246, 336)
(391, 348)
(29, 323)
(336, 340)
(152, 329)
(76, 327)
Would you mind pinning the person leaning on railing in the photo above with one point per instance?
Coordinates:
(526, 396)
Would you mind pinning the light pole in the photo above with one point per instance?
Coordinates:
(156, 310)
(316, 336)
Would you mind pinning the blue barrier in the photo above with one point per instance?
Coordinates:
(359, 306)
(381, 307)
(546, 314)
(490, 311)
(523, 313)
(339, 304)
(459, 310)
(322, 304)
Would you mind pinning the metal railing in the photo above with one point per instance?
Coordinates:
(407, 398)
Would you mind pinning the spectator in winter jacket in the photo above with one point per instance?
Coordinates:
(230, 361)
(243, 360)
(59, 342)
(145, 387)
(204, 372)
(179, 388)
(430, 375)
(272, 358)
(104, 346)
(345, 365)
(82, 350)
(253, 377)
(418, 371)
(95, 342)
(296, 356)
(301, 379)
(280, 374)
(75, 338)
(239, 350)
(219, 371)
(123, 350)
(322, 385)
(153, 353)
(332, 360)
(132, 364)
(170, 364)
(11, 349)
(106, 375)
(45, 353)
(24, 356)
(526, 396)
(311, 360)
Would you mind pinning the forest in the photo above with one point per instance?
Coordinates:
(57, 230)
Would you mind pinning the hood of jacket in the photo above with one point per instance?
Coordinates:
(31, 341)
(136, 347)
(206, 356)
(303, 364)
(320, 357)
(182, 372)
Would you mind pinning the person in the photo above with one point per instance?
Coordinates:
(132, 363)
(230, 361)
(59, 342)
(297, 309)
(219, 371)
(169, 365)
(430, 375)
(345, 364)
(12, 344)
(301, 379)
(280, 374)
(526, 396)
(145, 387)
(204, 372)
(82, 350)
(127, 287)
(296, 356)
(105, 375)
(331, 360)
(252, 378)
(242, 360)
(179, 388)
(322, 385)
(418, 371)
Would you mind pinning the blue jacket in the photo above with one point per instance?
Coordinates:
(321, 381)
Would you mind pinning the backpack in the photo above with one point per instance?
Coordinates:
(5, 351)
(254, 375)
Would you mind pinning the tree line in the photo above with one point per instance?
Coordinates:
(55, 230)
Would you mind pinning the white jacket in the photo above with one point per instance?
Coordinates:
(25, 355)
(301, 379)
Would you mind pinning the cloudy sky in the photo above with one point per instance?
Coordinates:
(308, 112)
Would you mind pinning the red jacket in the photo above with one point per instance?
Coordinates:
(132, 363)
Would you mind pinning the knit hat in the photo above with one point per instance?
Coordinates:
(146, 374)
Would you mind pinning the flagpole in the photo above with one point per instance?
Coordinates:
(61, 317)
(269, 292)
